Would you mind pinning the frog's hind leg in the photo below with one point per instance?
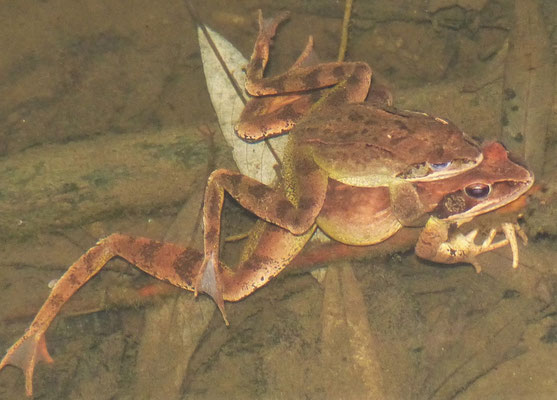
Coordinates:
(268, 251)
(300, 78)
(281, 101)
(165, 261)
(270, 116)
(271, 250)
(273, 205)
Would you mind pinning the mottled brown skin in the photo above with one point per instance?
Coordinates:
(365, 216)
(281, 101)
(271, 248)
(357, 141)
(307, 197)
(360, 145)
(333, 136)
(454, 204)
(324, 104)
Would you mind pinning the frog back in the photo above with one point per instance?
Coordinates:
(374, 145)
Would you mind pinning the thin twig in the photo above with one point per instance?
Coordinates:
(239, 91)
(231, 78)
(344, 34)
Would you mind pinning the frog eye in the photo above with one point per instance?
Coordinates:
(439, 166)
(478, 190)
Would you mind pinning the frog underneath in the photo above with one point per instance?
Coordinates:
(315, 179)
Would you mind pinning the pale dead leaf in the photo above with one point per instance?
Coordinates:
(253, 159)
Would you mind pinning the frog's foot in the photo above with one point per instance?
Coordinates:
(463, 248)
(437, 245)
(25, 353)
(260, 56)
(466, 245)
(268, 27)
(510, 231)
(307, 57)
(208, 281)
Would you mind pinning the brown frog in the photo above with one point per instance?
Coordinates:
(315, 172)
(496, 182)
(369, 219)
(333, 136)
(334, 123)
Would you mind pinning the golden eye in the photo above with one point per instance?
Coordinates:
(478, 190)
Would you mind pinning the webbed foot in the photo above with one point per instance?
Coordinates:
(24, 354)
(208, 281)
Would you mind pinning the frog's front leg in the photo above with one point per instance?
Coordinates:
(436, 243)
(406, 204)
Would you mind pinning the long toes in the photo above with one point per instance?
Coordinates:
(471, 236)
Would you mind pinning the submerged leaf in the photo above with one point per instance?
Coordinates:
(253, 159)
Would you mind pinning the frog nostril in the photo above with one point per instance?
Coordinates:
(478, 190)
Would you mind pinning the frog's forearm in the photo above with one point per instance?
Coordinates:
(435, 233)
